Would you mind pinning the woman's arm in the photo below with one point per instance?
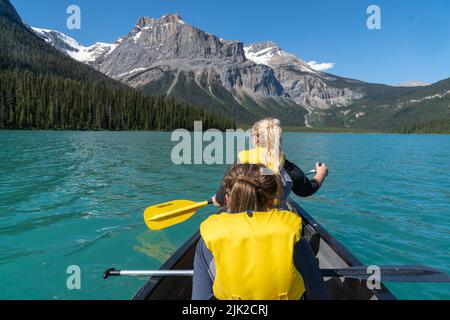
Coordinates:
(303, 187)
(204, 273)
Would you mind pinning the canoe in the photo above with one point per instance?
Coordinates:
(329, 252)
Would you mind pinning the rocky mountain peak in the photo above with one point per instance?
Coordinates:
(263, 45)
(172, 18)
(169, 38)
(145, 21)
(269, 53)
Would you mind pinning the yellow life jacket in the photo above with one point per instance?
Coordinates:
(253, 255)
(255, 156)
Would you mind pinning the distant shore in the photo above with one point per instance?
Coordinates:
(351, 130)
(245, 127)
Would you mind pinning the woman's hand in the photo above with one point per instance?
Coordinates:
(321, 169)
(214, 200)
(321, 172)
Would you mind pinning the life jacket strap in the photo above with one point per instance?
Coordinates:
(284, 296)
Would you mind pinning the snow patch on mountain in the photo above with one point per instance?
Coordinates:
(262, 53)
(434, 96)
(137, 36)
(270, 54)
(359, 115)
(132, 72)
(413, 83)
(73, 48)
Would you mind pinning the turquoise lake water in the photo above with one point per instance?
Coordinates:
(76, 198)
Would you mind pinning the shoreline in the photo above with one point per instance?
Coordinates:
(285, 129)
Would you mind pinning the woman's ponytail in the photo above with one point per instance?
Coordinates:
(267, 134)
(250, 188)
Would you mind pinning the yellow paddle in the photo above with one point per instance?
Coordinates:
(167, 214)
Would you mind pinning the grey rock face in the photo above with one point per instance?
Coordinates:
(155, 46)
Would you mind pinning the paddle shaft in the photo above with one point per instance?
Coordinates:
(147, 273)
(388, 273)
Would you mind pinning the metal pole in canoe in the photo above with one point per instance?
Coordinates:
(147, 273)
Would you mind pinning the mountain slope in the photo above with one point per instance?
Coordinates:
(417, 106)
(42, 88)
(7, 11)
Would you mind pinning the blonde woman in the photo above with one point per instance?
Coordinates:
(266, 138)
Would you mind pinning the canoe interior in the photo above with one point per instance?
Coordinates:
(329, 252)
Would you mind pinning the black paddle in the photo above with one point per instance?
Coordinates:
(391, 273)
(388, 273)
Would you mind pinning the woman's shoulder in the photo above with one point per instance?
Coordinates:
(210, 219)
(290, 215)
(213, 220)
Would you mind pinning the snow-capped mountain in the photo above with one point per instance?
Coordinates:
(270, 54)
(308, 87)
(72, 48)
(168, 56)
(172, 57)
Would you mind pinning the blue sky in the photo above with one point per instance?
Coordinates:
(413, 44)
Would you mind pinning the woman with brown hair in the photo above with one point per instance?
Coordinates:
(254, 251)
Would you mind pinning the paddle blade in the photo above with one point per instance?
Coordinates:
(391, 274)
(167, 214)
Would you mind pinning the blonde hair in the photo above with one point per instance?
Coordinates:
(267, 134)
